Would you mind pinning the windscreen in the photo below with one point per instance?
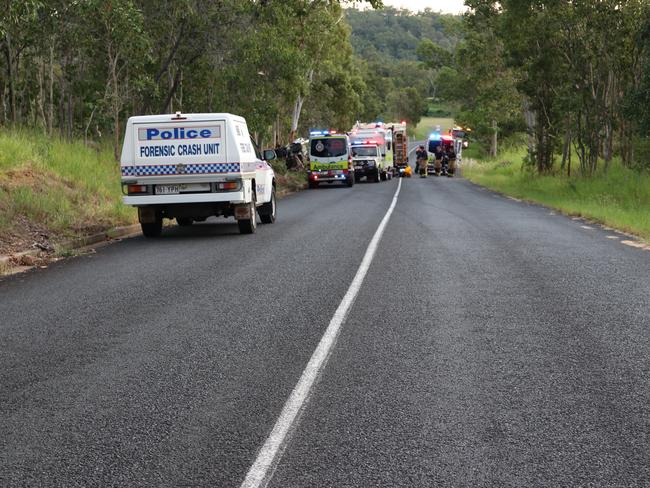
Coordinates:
(367, 151)
(331, 147)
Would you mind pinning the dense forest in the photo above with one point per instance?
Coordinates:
(396, 33)
(573, 76)
(80, 68)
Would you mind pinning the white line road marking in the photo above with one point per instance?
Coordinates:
(637, 244)
(261, 471)
(613, 237)
(586, 227)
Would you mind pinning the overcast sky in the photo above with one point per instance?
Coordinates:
(446, 6)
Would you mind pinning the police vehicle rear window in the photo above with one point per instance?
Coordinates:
(433, 146)
(329, 148)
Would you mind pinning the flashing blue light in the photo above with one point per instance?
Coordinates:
(316, 133)
(435, 136)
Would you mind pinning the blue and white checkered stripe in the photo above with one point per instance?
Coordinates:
(171, 169)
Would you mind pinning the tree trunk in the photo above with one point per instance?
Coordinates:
(70, 123)
(295, 117)
(297, 109)
(10, 78)
(566, 149)
(166, 105)
(608, 147)
(40, 102)
(530, 119)
(50, 112)
(495, 136)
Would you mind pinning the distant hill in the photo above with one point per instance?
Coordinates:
(396, 33)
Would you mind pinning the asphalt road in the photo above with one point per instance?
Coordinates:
(492, 343)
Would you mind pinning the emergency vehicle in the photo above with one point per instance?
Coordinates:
(367, 161)
(190, 167)
(445, 141)
(377, 133)
(399, 141)
(330, 160)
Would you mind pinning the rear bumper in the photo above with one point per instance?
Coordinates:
(342, 175)
(366, 172)
(142, 200)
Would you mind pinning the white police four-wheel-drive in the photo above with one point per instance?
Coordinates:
(190, 167)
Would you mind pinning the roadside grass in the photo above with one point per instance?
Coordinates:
(66, 189)
(428, 124)
(288, 181)
(619, 198)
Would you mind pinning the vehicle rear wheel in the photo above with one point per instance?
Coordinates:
(249, 226)
(350, 180)
(152, 229)
(313, 185)
(268, 210)
(377, 176)
(184, 221)
(383, 176)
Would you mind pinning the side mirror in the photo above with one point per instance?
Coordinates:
(269, 155)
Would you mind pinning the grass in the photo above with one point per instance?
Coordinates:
(619, 198)
(428, 124)
(65, 188)
(288, 181)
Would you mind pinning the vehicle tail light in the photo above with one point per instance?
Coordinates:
(229, 185)
(136, 189)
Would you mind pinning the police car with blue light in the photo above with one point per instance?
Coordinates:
(190, 167)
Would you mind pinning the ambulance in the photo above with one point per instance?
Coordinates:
(190, 167)
(330, 158)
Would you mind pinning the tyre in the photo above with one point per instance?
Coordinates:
(313, 185)
(268, 210)
(249, 226)
(377, 176)
(384, 176)
(152, 229)
(350, 180)
(184, 221)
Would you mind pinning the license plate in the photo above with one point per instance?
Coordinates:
(358, 167)
(168, 189)
(184, 188)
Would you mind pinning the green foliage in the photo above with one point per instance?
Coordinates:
(67, 188)
(82, 67)
(570, 75)
(432, 55)
(396, 34)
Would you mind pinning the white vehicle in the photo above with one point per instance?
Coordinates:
(368, 161)
(189, 167)
(377, 134)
